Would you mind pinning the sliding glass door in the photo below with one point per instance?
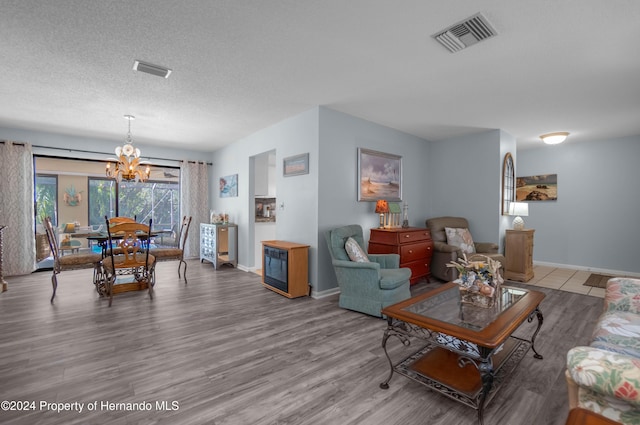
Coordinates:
(102, 200)
(46, 194)
(95, 196)
(155, 200)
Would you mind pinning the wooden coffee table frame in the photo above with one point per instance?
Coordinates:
(464, 364)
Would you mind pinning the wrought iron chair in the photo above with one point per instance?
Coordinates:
(176, 253)
(70, 261)
(133, 258)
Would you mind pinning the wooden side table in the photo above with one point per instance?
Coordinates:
(518, 252)
(413, 244)
(580, 416)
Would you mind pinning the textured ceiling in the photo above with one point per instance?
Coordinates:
(240, 66)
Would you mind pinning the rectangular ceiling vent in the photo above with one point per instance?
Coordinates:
(466, 33)
(152, 69)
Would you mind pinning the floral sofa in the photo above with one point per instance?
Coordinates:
(605, 376)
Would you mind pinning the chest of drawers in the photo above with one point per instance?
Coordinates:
(219, 244)
(413, 244)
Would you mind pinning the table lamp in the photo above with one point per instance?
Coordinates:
(382, 208)
(518, 209)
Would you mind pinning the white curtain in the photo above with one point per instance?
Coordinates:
(16, 208)
(194, 202)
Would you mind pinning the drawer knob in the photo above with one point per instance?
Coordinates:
(407, 236)
(410, 251)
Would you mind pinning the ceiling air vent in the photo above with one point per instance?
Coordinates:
(152, 69)
(465, 33)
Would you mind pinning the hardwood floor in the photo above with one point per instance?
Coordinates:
(225, 350)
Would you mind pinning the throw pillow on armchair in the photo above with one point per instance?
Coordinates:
(461, 238)
(443, 252)
(355, 251)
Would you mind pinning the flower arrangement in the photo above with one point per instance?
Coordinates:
(478, 277)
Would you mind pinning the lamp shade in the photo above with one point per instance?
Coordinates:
(69, 228)
(519, 209)
(382, 207)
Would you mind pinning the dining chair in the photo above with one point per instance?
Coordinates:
(133, 258)
(117, 220)
(113, 221)
(70, 261)
(177, 252)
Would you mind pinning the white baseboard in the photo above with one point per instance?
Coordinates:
(246, 269)
(314, 294)
(587, 269)
(323, 294)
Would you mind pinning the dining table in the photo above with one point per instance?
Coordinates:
(102, 238)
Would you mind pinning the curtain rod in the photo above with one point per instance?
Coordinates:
(102, 153)
(69, 158)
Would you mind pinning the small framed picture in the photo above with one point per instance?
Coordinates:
(296, 165)
(229, 186)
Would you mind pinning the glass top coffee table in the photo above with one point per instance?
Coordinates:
(466, 351)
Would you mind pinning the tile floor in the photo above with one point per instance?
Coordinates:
(569, 280)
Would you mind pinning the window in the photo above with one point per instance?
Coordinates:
(102, 200)
(46, 195)
(157, 200)
(508, 183)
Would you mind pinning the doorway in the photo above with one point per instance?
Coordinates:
(264, 217)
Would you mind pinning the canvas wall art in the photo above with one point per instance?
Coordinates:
(295, 165)
(379, 176)
(543, 187)
(229, 186)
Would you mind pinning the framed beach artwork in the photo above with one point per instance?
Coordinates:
(379, 176)
(543, 187)
(295, 165)
(229, 186)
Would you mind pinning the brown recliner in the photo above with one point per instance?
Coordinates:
(444, 253)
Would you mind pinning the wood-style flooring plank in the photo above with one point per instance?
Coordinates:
(230, 352)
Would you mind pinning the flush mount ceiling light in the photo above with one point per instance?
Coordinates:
(152, 69)
(554, 138)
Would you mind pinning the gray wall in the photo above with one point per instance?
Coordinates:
(327, 196)
(594, 223)
(340, 137)
(298, 220)
(465, 180)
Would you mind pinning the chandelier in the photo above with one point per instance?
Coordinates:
(128, 166)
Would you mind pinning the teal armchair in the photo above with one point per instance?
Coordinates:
(366, 287)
